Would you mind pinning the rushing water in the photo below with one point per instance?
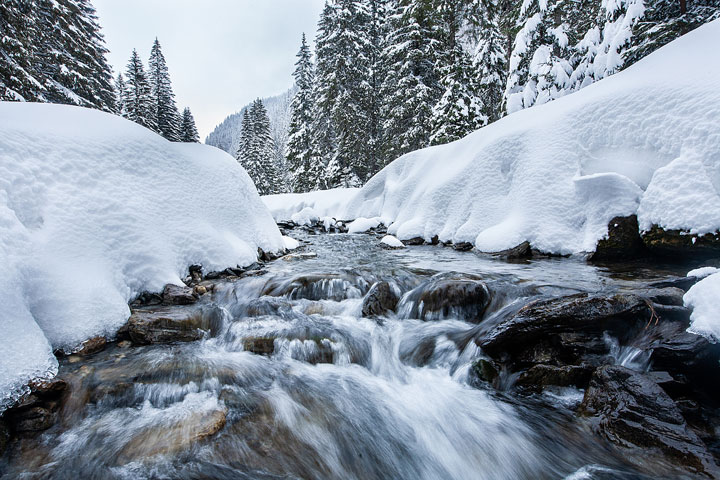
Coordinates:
(340, 397)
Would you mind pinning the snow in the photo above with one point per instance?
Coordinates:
(290, 243)
(702, 272)
(392, 242)
(704, 299)
(643, 141)
(316, 205)
(306, 216)
(362, 224)
(95, 209)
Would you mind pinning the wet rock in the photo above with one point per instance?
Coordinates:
(287, 225)
(689, 357)
(623, 241)
(683, 283)
(414, 241)
(524, 250)
(539, 376)
(200, 290)
(678, 243)
(449, 295)
(380, 299)
(165, 439)
(167, 325)
(4, 436)
(633, 411)
(92, 345)
(293, 257)
(176, 295)
(485, 370)
(463, 246)
(663, 296)
(269, 256)
(37, 411)
(147, 298)
(124, 344)
(259, 345)
(268, 306)
(566, 328)
(321, 286)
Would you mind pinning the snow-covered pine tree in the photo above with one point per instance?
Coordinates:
(163, 98)
(378, 11)
(139, 103)
(121, 95)
(18, 28)
(412, 85)
(188, 130)
(299, 147)
(256, 153)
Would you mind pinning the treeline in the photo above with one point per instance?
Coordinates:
(53, 51)
(393, 76)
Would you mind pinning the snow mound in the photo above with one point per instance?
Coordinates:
(319, 204)
(704, 299)
(363, 224)
(95, 209)
(392, 242)
(702, 272)
(644, 141)
(290, 243)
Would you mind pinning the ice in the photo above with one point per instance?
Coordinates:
(323, 203)
(392, 242)
(95, 209)
(362, 224)
(702, 272)
(644, 141)
(704, 299)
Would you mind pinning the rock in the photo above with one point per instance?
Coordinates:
(163, 439)
(414, 241)
(633, 411)
(683, 283)
(678, 243)
(124, 344)
(623, 241)
(565, 328)
(484, 370)
(672, 296)
(269, 256)
(92, 345)
(37, 411)
(259, 345)
(463, 246)
(689, 357)
(4, 437)
(196, 273)
(167, 324)
(318, 286)
(539, 376)
(200, 290)
(380, 299)
(34, 419)
(524, 250)
(465, 297)
(293, 257)
(176, 295)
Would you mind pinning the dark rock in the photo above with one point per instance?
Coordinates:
(633, 411)
(289, 225)
(571, 326)
(318, 286)
(434, 240)
(34, 419)
(623, 241)
(268, 306)
(681, 244)
(380, 299)
(266, 346)
(484, 370)
(689, 357)
(92, 345)
(414, 241)
(539, 376)
(37, 411)
(175, 295)
(259, 345)
(4, 436)
(269, 256)
(683, 283)
(524, 250)
(147, 298)
(463, 246)
(167, 325)
(443, 296)
(663, 296)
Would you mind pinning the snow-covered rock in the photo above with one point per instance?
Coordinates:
(702, 272)
(390, 241)
(95, 209)
(362, 224)
(704, 299)
(290, 243)
(323, 203)
(645, 141)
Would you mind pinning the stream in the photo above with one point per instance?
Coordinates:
(296, 384)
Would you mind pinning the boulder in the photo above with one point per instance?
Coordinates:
(4, 437)
(631, 410)
(37, 411)
(293, 257)
(484, 370)
(414, 241)
(92, 345)
(524, 250)
(318, 286)
(380, 299)
(168, 324)
(623, 241)
(463, 246)
(562, 330)
(539, 376)
(443, 296)
(177, 295)
(683, 244)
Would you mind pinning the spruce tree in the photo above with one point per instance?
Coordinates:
(139, 103)
(188, 130)
(256, 152)
(121, 95)
(163, 98)
(299, 148)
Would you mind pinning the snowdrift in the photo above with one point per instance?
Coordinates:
(645, 141)
(95, 209)
(311, 206)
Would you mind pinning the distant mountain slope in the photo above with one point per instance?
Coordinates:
(226, 136)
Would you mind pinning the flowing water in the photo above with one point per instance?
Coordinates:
(334, 396)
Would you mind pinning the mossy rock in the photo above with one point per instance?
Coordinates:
(681, 243)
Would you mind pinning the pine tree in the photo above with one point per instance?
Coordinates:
(139, 103)
(163, 98)
(299, 148)
(256, 152)
(188, 130)
(121, 95)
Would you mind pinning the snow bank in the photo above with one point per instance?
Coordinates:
(644, 141)
(311, 206)
(363, 224)
(290, 243)
(95, 209)
(392, 242)
(702, 272)
(704, 299)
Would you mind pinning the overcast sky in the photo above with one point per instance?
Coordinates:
(222, 54)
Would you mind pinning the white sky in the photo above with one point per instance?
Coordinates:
(222, 54)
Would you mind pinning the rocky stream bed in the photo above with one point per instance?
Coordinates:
(346, 360)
